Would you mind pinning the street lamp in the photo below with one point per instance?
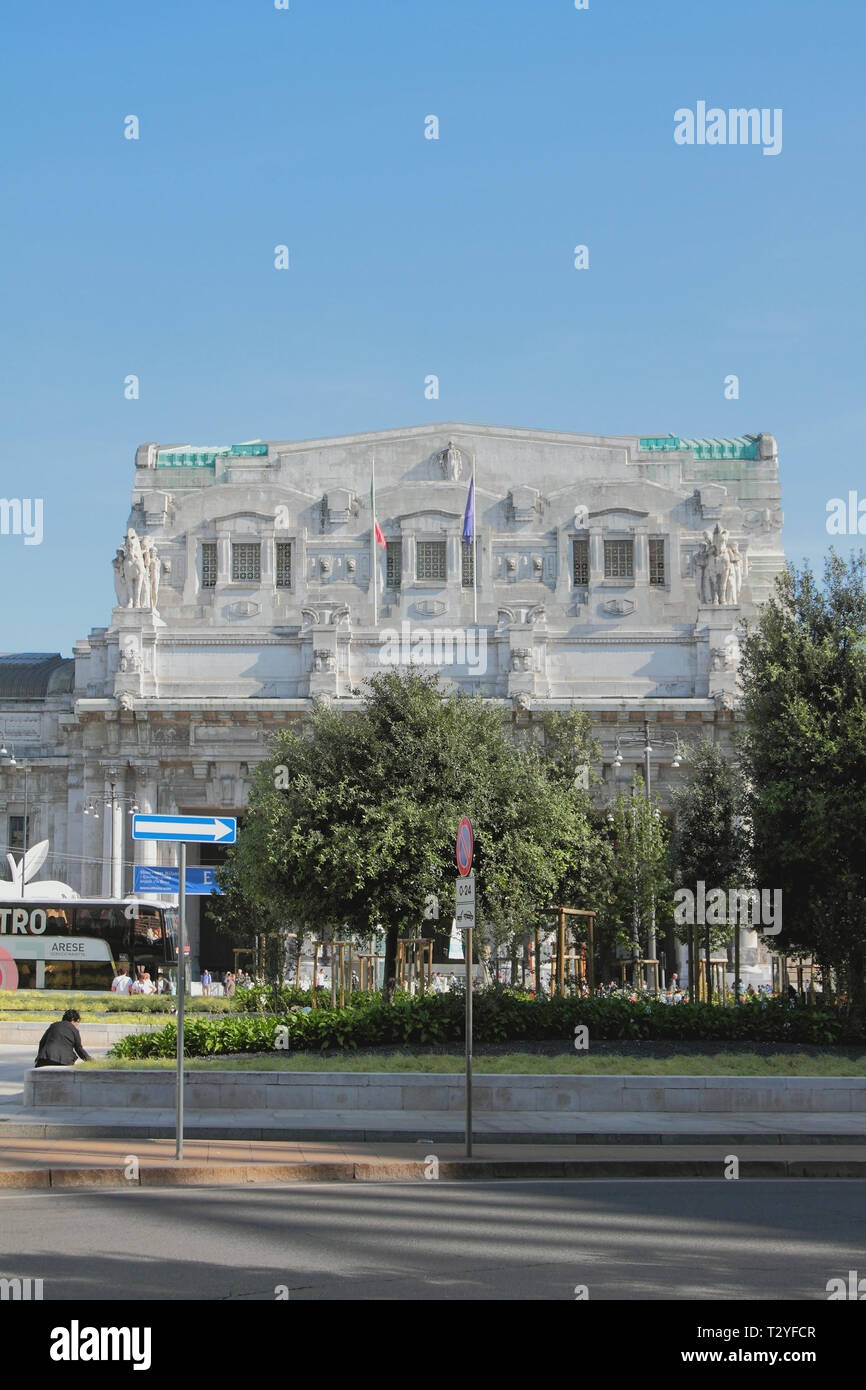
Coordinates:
(10, 761)
(114, 800)
(680, 754)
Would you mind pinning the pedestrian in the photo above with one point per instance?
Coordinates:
(136, 986)
(147, 985)
(230, 984)
(205, 982)
(60, 1044)
(161, 983)
(121, 984)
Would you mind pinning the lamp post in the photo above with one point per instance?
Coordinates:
(115, 801)
(679, 751)
(10, 760)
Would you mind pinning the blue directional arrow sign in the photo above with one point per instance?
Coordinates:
(208, 830)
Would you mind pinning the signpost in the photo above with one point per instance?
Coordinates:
(465, 914)
(180, 830)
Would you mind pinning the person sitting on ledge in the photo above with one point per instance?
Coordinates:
(60, 1044)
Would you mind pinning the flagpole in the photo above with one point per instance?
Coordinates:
(474, 552)
(373, 562)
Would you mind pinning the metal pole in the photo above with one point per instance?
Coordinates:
(24, 860)
(374, 563)
(468, 1042)
(181, 986)
(474, 552)
(651, 942)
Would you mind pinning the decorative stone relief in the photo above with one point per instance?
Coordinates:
(340, 506)
(429, 607)
(521, 659)
(765, 519)
(524, 503)
(244, 608)
(618, 607)
(324, 660)
(521, 702)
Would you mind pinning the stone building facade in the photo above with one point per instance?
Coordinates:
(609, 572)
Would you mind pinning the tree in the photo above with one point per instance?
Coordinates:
(354, 821)
(709, 844)
(804, 751)
(638, 876)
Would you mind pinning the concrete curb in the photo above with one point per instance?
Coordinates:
(402, 1170)
(52, 1129)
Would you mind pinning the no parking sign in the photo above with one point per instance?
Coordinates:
(465, 845)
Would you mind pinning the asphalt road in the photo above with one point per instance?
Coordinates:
(631, 1240)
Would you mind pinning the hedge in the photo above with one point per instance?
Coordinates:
(498, 1016)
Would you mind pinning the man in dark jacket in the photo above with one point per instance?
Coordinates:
(61, 1043)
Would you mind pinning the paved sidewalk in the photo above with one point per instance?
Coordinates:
(58, 1164)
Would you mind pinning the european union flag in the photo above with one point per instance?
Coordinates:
(469, 515)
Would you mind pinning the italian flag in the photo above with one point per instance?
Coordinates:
(377, 530)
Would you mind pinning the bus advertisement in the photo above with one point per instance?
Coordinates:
(80, 944)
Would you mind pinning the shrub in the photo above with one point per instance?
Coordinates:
(499, 1015)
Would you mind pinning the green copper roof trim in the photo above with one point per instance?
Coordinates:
(742, 447)
(207, 457)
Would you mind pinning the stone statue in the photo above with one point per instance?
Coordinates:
(451, 460)
(119, 566)
(700, 564)
(151, 562)
(736, 575)
(719, 569)
(135, 572)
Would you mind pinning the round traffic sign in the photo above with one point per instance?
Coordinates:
(465, 845)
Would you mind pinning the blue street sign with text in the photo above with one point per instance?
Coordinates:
(152, 878)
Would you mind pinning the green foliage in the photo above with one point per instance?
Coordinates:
(638, 879)
(804, 752)
(33, 1001)
(500, 1015)
(352, 823)
(709, 842)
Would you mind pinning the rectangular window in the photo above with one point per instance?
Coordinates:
(431, 560)
(657, 562)
(283, 567)
(619, 560)
(580, 561)
(208, 565)
(246, 563)
(393, 564)
(16, 832)
(467, 565)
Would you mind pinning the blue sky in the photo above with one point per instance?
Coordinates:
(412, 256)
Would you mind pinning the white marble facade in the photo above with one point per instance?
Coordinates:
(612, 572)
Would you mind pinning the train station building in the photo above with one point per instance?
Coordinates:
(248, 583)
